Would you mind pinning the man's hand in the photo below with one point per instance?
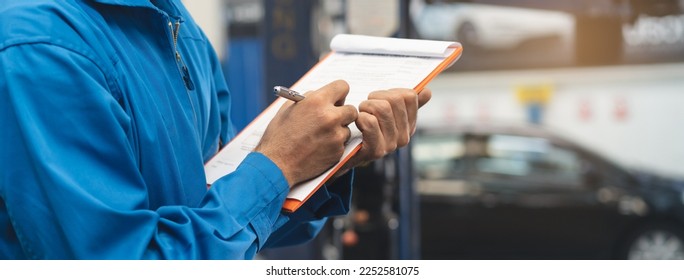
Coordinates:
(387, 121)
(306, 138)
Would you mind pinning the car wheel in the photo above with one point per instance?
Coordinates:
(655, 243)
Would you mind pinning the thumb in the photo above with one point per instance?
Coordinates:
(424, 96)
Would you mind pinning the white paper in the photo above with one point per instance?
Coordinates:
(392, 46)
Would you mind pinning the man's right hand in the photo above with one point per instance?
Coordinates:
(306, 138)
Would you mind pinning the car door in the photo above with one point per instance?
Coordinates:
(446, 195)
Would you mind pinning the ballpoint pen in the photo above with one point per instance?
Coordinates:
(288, 93)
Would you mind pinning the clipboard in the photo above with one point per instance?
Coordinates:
(366, 63)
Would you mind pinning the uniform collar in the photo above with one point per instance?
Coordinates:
(166, 5)
(129, 3)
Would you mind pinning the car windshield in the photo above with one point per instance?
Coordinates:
(435, 156)
(447, 156)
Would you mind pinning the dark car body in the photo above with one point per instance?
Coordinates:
(523, 193)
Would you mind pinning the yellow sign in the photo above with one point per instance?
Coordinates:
(540, 94)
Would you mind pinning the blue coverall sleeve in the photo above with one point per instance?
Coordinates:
(71, 185)
(331, 200)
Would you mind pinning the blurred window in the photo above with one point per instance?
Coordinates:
(528, 159)
(532, 159)
(437, 156)
(554, 34)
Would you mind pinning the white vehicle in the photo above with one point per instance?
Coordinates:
(489, 26)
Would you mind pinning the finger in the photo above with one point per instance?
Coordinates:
(424, 96)
(411, 100)
(382, 111)
(348, 114)
(373, 142)
(334, 92)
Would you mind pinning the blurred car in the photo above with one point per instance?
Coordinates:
(489, 26)
(523, 193)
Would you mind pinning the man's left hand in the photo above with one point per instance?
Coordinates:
(387, 121)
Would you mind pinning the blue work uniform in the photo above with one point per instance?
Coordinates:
(109, 110)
